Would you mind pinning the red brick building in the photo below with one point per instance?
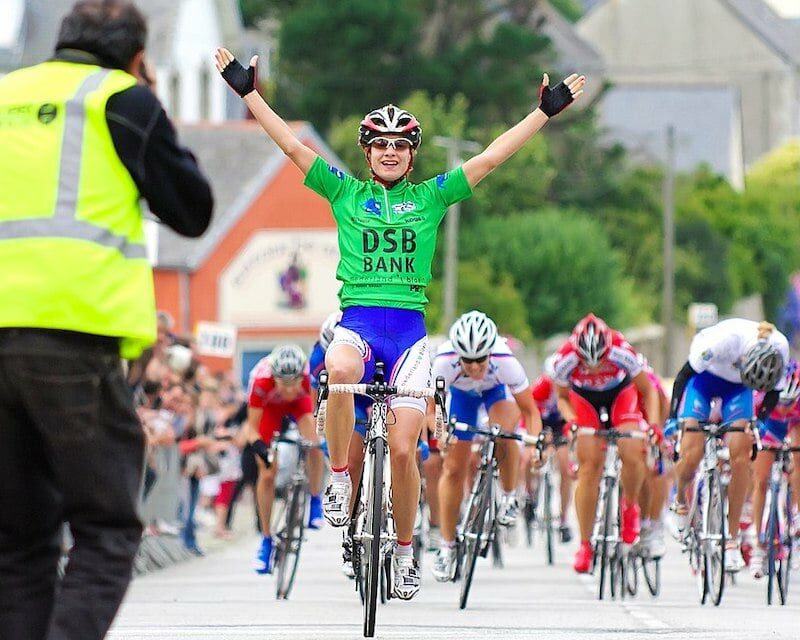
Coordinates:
(266, 266)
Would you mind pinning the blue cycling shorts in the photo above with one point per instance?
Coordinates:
(464, 407)
(737, 399)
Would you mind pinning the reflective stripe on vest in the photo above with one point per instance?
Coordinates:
(64, 224)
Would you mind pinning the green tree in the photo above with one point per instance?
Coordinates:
(342, 58)
(562, 264)
(480, 287)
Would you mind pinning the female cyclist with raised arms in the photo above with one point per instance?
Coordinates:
(387, 235)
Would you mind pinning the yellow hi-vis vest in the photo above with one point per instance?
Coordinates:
(72, 246)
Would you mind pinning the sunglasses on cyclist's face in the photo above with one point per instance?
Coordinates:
(474, 360)
(399, 144)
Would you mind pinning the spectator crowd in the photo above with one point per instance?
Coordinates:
(192, 420)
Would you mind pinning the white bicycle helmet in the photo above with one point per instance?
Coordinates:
(473, 335)
(327, 328)
(591, 339)
(389, 120)
(762, 367)
(287, 362)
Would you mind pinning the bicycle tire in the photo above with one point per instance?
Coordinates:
(547, 518)
(530, 520)
(715, 558)
(786, 539)
(651, 570)
(372, 546)
(473, 532)
(605, 569)
(632, 574)
(293, 542)
(772, 543)
(497, 547)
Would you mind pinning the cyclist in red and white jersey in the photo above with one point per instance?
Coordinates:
(280, 388)
(597, 368)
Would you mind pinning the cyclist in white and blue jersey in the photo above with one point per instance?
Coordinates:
(480, 372)
(727, 361)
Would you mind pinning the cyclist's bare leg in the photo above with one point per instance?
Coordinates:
(308, 430)
(562, 456)
(659, 490)
(451, 486)
(590, 467)
(645, 493)
(506, 414)
(265, 493)
(634, 466)
(355, 462)
(761, 467)
(740, 446)
(690, 455)
(432, 468)
(403, 438)
(345, 366)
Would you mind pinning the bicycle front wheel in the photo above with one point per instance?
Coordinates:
(372, 542)
(773, 543)
(785, 564)
(714, 539)
(651, 570)
(604, 547)
(292, 541)
(472, 541)
(547, 517)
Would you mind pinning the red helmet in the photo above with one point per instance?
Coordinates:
(591, 338)
(390, 120)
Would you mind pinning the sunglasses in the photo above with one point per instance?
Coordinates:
(399, 144)
(474, 360)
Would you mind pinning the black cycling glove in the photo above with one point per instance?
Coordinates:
(241, 80)
(555, 100)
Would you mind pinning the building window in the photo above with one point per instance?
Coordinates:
(205, 94)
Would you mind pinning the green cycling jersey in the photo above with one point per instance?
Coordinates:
(387, 237)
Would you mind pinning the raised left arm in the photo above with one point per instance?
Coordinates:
(551, 102)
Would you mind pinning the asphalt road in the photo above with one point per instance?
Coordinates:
(220, 597)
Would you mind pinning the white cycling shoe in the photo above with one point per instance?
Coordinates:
(444, 564)
(336, 503)
(733, 557)
(507, 509)
(406, 577)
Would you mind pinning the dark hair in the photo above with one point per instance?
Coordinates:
(112, 30)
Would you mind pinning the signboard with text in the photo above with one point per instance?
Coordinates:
(216, 339)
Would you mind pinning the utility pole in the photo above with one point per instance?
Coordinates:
(455, 148)
(668, 299)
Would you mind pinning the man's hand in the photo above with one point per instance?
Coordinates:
(554, 101)
(241, 80)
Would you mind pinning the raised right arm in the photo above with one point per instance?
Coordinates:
(242, 81)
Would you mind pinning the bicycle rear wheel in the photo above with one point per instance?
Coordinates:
(291, 543)
(785, 563)
(632, 573)
(773, 543)
(472, 541)
(547, 516)
(714, 547)
(651, 570)
(372, 542)
(603, 546)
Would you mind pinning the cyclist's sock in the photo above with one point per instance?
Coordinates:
(339, 475)
(404, 549)
(448, 544)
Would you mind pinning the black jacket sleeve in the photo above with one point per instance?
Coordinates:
(679, 386)
(167, 175)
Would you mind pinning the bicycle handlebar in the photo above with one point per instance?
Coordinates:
(496, 433)
(380, 392)
(610, 434)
